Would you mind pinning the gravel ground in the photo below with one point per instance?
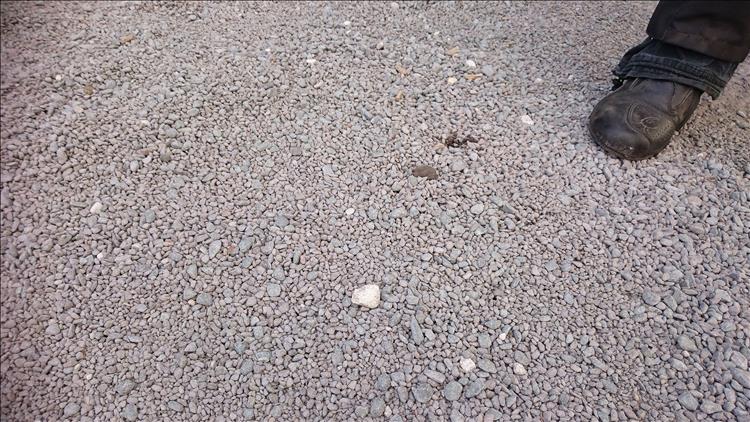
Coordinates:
(192, 192)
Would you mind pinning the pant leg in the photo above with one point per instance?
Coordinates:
(718, 29)
(695, 43)
(654, 59)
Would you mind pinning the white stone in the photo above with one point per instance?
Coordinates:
(467, 364)
(471, 63)
(518, 369)
(367, 296)
(96, 207)
(477, 209)
(53, 329)
(527, 120)
(452, 80)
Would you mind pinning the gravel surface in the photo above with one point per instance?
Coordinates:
(192, 192)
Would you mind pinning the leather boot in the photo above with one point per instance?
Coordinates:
(638, 119)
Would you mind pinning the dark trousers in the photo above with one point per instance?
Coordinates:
(696, 43)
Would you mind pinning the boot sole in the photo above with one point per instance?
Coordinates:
(613, 152)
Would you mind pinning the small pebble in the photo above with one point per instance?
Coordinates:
(204, 299)
(474, 388)
(518, 369)
(651, 298)
(425, 171)
(686, 343)
(377, 407)
(422, 392)
(177, 407)
(367, 296)
(688, 401)
(273, 289)
(71, 409)
(96, 208)
(452, 391)
(467, 365)
(130, 412)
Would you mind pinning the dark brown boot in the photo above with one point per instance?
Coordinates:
(638, 119)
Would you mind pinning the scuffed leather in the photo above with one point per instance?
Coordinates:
(638, 120)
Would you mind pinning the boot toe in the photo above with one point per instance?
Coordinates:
(609, 127)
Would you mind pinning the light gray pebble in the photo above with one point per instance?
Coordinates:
(686, 343)
(493, 324)
(71, 409)
(485, 341)
(721, 295)
(188, 293)
(708, 407)
(377, 407)
(52, 329)
(688, 401)
(679, 365)
(213, 248)
(452, 391)
(281, 221)
(741, 376)
(124, 387)
(245, 244)
(474, 388)
(487, 365)
(177, 407)
(204, 299)
(458, 165)
(246, 367)
(434, 375)
(651, 298)
(273, 289)
(130, 412)
(149, 216)
(422, 392)
(383, 382)
(417, 336)
(521, 357)
(361, 411)
(337, 357)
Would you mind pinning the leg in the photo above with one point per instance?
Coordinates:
(694, 47)
(718, 29)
